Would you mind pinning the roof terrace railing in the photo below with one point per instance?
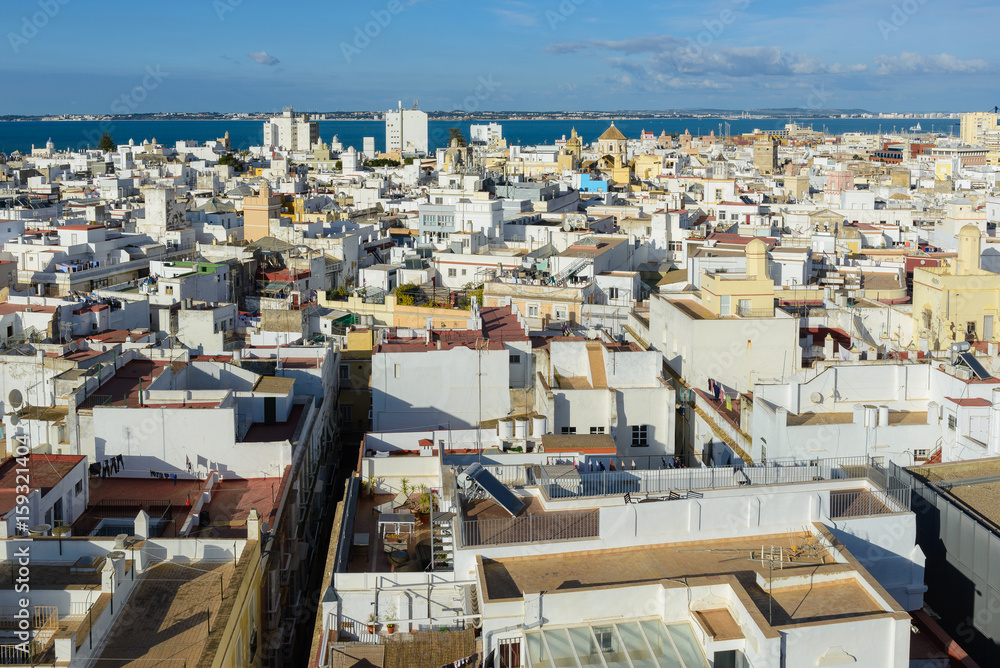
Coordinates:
(575, 484)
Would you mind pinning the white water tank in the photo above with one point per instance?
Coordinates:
(505, 429)
(538, 424)
(520, 428)
(883, 416)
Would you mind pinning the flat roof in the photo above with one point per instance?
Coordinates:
(274, 385)
(167, 617)
(896, 418)
(44, 473)
(511, 578)
(277, 431)
(975, 483)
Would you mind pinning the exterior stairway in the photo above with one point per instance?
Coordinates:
(442, 541)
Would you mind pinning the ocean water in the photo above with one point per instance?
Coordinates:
(20, 135)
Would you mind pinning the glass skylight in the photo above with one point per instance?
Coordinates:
(645, 644)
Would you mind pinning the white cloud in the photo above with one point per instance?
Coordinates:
(660, 55)
(917, 63)
(264, 58)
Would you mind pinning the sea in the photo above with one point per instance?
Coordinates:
(21, 135)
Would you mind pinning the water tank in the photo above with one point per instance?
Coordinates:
(520, 428)
(883, 416)
(505, 429)
(538, 424)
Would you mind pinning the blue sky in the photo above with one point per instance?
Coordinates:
(103, 56)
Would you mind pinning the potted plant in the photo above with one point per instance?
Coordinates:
(372, 483)
(390, 620)
(424, 504)
(372, 623)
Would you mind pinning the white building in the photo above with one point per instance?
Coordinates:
(590, 387)
(290, 132)
(485, 134)
(736, 568)
(406, 131)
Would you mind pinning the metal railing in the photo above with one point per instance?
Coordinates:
(746, 312)
(16, 655)
(531, 528)
(651, 481)
(863, 502)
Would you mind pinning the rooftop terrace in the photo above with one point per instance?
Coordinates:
(840, 598)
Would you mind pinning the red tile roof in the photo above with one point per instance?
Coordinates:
(970, 401)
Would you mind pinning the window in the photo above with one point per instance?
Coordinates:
(725, 307)
(78, 489)
(561, 313)
(743, 306)
(532, 310)
(169, 289)
(952, 422)
(463, 272)
(345, 414)
(452, 273)
(639, 436)
(676, 245)
(398, 370)
(921, 454)
(970, 328)
(345, 372)
(515, 359)
(612, 293)
(597, 430)
(569, 430)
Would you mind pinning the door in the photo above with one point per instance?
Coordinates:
(987, 328)
(270, 409)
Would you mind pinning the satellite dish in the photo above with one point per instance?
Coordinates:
(15, 399)
(14, 419)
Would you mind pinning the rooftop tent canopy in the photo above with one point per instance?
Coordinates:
(633, 644)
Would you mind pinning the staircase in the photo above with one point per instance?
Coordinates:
(442, 541)
(570, 271)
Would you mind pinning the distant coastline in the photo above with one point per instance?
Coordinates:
(501, 116)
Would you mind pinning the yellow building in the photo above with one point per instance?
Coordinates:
(542, 305)
(258, 211)
(978, 126)
(612, 149)
(393, 314)
(957, 302)
(354, 377)
(747, 295)
(648, 166)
